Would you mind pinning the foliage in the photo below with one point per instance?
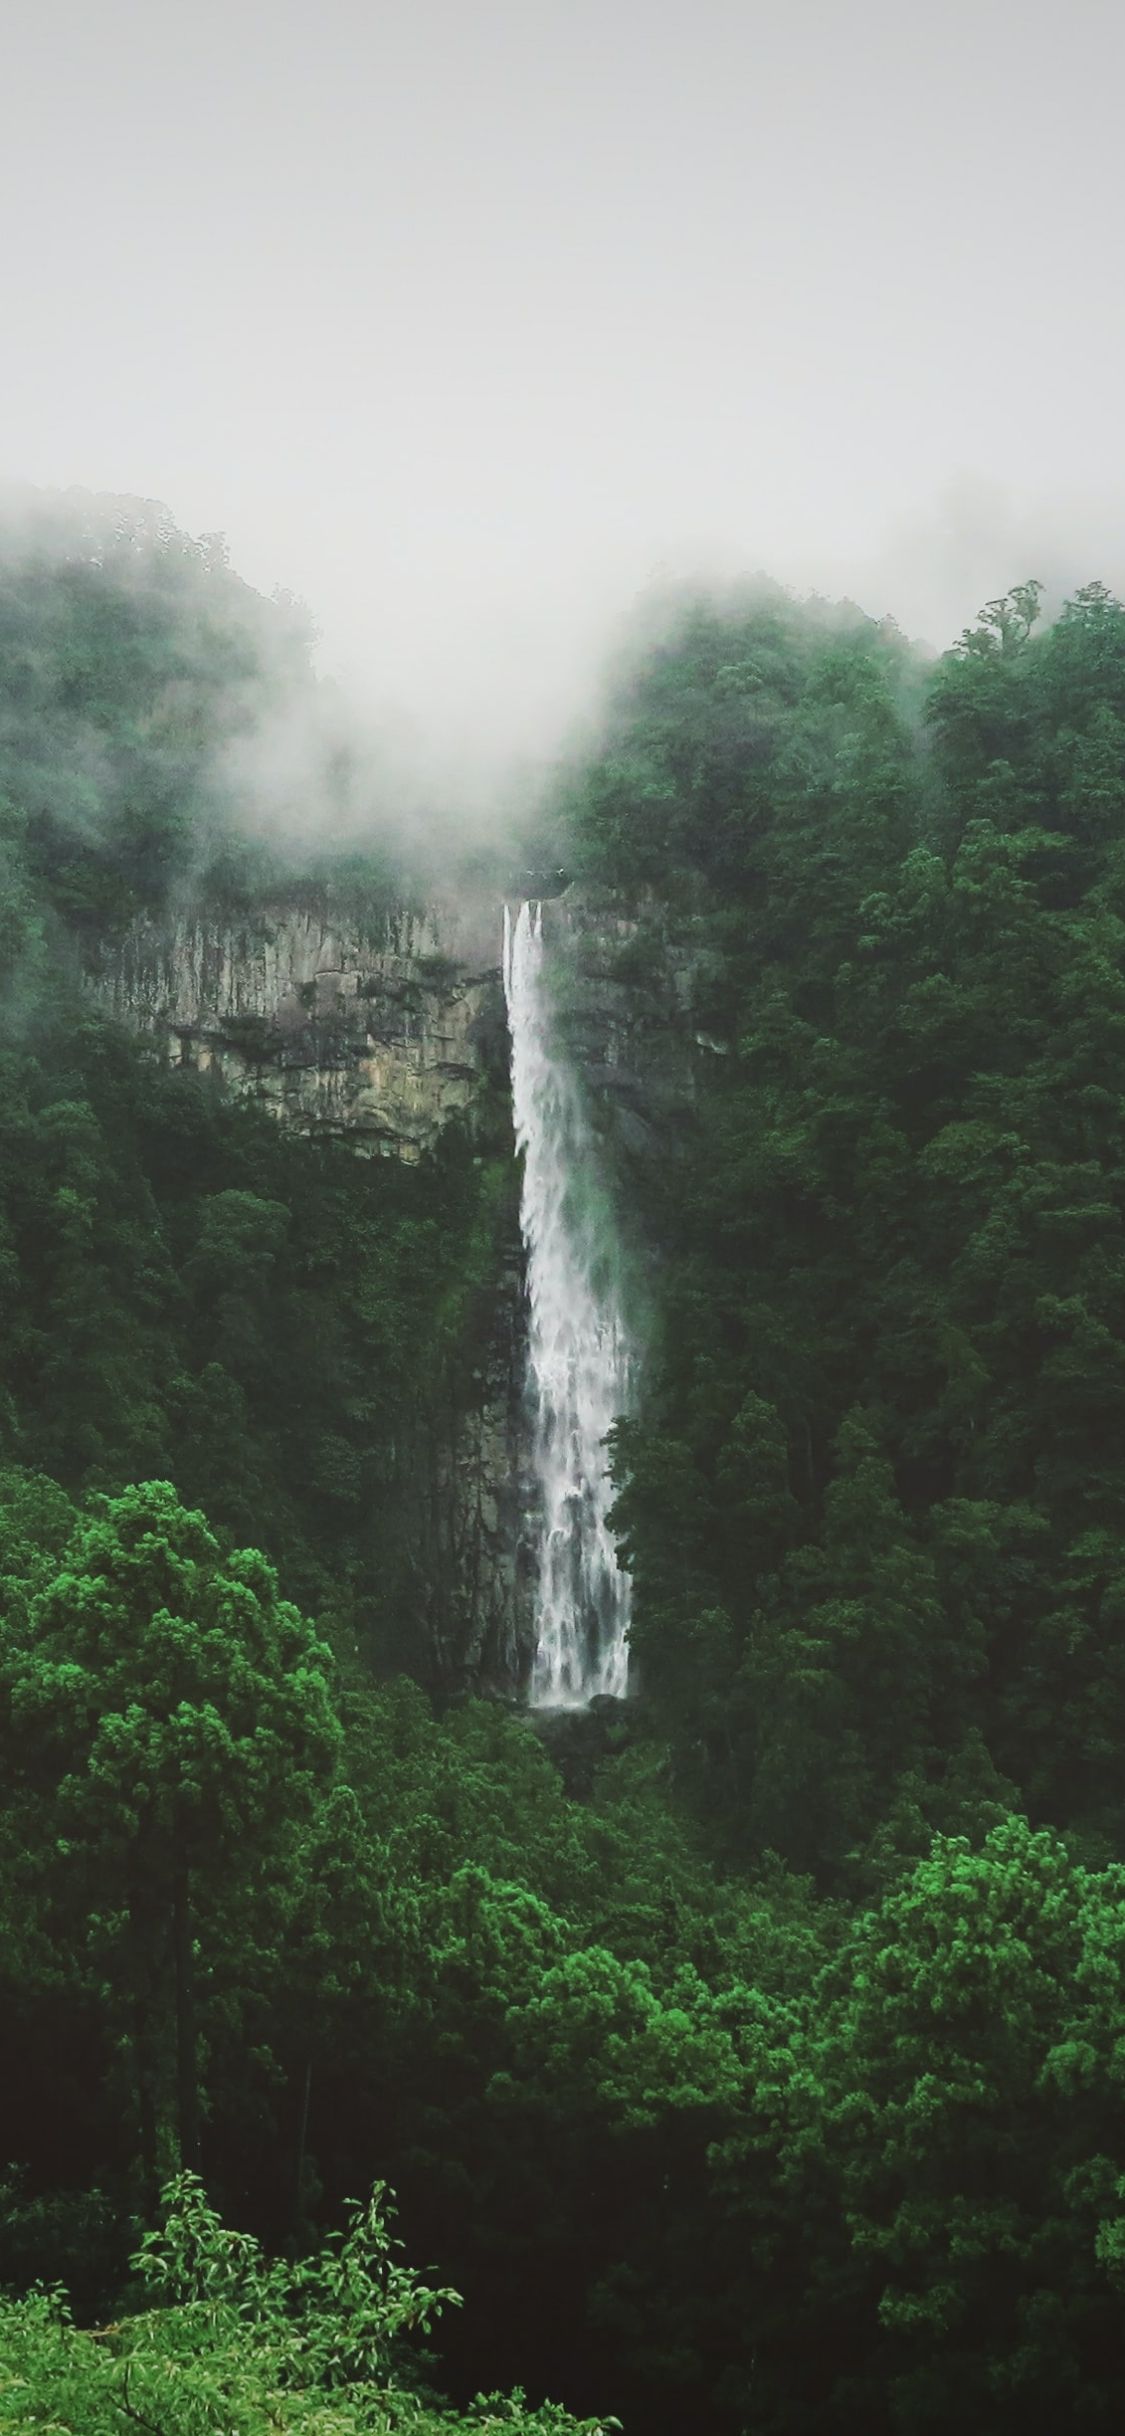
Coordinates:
(873, 1499)
(239, 2344)
(189, 1293)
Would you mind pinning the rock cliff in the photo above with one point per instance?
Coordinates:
(625, 981)
(381, 1028)
(481, 1503)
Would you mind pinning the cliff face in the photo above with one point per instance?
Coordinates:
(381, 1029)
(625, 981)
(480, 1510)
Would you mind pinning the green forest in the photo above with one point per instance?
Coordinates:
(746, 2056)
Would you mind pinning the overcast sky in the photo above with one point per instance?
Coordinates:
(463, 318)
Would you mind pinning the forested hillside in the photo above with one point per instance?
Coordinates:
(186, 1291)
(875, 1502)
(749, 2053)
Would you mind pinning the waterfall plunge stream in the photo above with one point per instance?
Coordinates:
(578, 1356)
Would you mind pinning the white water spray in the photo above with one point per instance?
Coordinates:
(578, 1357)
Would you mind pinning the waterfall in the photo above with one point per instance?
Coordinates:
(578, 1354)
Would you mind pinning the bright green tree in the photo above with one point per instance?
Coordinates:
(172, 1716)
(964, 2089)
(234, 2343)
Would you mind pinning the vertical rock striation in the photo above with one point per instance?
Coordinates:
(381, 1029)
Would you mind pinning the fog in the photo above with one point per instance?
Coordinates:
(468, 319)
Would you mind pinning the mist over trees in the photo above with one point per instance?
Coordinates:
(748, 2054)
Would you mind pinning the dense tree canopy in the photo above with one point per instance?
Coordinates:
(749, 2054)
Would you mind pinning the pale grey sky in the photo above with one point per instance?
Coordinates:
(463, 317)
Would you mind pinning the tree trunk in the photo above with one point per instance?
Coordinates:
(187, 2088)
(302, 2142)
(146, 2105)
(144, 2062)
